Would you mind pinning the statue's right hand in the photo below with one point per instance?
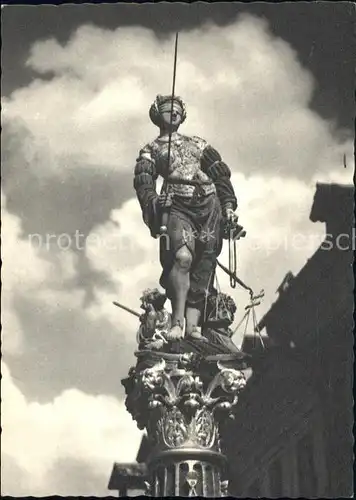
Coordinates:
(165, 200)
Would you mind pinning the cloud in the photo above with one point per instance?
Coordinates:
(70, 140)
(51, 339)
(239, 80)
(75, 436)
(63, 411)
(73, 134)
(21, 268)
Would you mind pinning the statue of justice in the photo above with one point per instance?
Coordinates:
(192, 215)
(200, 198)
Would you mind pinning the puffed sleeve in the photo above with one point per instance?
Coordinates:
(145, 176)
(219, 172)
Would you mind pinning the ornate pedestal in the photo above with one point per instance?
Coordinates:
(181, 400)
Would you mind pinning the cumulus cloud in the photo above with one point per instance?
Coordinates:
(239, 80)
(74, 433)
(63, 411)
(70, 140)
(73, 134)
(49, 333)
(22, 268)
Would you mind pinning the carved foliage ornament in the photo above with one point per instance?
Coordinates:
(174, 428)
(187, 410)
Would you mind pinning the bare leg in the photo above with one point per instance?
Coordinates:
(180, 283)
(201, 279)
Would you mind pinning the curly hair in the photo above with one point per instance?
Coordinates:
(154, 297)
(155, 114)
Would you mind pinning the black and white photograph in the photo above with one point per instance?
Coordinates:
(177, 246)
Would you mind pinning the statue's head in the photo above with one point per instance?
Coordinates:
(160, 112)
(154, 297)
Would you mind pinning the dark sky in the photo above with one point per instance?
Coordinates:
(321, 32)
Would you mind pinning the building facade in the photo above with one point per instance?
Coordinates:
(293, 430)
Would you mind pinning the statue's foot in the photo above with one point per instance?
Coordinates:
(195, 334)
(176, 332)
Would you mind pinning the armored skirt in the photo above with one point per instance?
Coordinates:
(196, 223)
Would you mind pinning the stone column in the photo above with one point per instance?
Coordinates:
(181, 401)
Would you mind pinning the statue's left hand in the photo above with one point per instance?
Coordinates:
(231, 226)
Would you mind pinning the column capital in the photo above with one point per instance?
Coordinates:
(181, 400)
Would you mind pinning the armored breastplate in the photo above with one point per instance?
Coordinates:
(184, 164)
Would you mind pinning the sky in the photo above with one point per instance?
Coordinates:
(269, 86)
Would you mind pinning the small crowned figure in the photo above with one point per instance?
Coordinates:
(200, 198)
(155, 322)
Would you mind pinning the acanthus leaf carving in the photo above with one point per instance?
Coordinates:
(183, 406)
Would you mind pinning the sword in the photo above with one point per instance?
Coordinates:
(131, 311)
(165, 211)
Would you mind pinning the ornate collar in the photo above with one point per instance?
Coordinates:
(165, 138)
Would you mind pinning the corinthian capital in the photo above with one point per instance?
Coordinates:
(181, 400)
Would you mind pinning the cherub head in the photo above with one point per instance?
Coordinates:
(153, 297)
